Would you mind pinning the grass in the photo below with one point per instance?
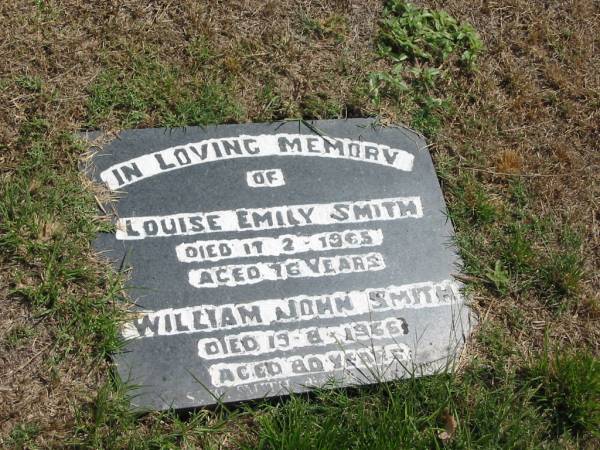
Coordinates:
(22, 435)
(150, 91)
(96, 424)
(511, 111)
(526, 253)
(49, 220)
(567, 391)
(416, 34)
(333, 27)
(545, 402)
(428, 49)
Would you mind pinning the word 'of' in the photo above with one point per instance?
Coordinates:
(205, 318)
(269, 218)
(381, 360)
(239, 274)
(265, 178)
(243, 146)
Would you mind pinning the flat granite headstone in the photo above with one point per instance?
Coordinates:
(274, 258)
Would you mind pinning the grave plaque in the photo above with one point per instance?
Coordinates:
(273, 258)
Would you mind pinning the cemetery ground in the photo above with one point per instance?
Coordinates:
(510, 105)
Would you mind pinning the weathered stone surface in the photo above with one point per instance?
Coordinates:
(270, 258)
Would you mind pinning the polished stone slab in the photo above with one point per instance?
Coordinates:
(271, 258)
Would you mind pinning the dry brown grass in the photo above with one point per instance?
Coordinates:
(537, 100)
(33, 390)
(534, 110)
